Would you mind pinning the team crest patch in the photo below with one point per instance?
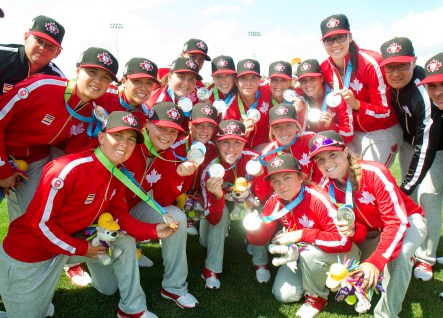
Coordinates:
(433, 66)
(393, 48)
(7, 87)
(130, 120)
(201, 45)
(23, 93)
(333, 23)
(191, 64)
(173, 113)
(305, 66)
(51, 27)
(207, 110)
(146, 66)
(104, 58)
(281, 111)
(277, 162)
(57, 183)
(222, 63)
(232, 128)
(48, 119)
(279, 67)
(90, 198)
(249, 65)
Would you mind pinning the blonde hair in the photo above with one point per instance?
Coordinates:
(355, 173)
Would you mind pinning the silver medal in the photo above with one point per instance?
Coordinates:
(199, 145)
(195, 156)
(185, 104)
(346, 214)
(216, 170)
(333, 100)
(253, 167)
(289, 95)
(220, 105)
(314, 115)
(254, 114)
(202, 93)
(100, 113)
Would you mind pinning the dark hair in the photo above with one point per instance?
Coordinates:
(355, 173)
(353, 53)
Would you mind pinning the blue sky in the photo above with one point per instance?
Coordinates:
(157, 29)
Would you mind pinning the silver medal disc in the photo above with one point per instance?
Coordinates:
(216, 170)
(253, 167)
(100, 113)
(220, 105)
(314, 115)
(195, 156)
(346, 214)
(185, 104)
(333, 100)
(289, 95)
(254, 114)
(199, 145)
(202, 93)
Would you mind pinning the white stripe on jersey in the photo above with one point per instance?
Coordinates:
(49, 204)
(381, 82)
(10, 49)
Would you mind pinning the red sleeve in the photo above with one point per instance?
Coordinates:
(213, 207)
(343, 124)
(267, 230)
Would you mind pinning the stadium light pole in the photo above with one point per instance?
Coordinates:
(253, 34)
(116, 26)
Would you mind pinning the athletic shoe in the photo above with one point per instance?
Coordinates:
(191, 228)
(185, 301)
(423, 271)
(78, 275)
(144, 261)
(211, 278)
(312, 306)
(143, 314)
(262, 273)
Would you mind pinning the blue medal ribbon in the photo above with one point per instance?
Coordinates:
(348, 201)
(281, 148)
(126, 105)
(287, 208)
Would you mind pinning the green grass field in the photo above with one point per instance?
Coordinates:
(240, 294)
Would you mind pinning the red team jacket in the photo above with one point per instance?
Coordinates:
(370, 88)
(381, 206)
(68, 200)
(314, 215)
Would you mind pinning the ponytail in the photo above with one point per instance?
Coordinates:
(353, 53)
(355, 173)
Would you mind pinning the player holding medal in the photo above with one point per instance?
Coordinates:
(280, 80)
(252, 103)
(395, 224)
(232, 159)
(202, 128)
(320, 113)
(355, 74)
(307, 215)
(156, 168)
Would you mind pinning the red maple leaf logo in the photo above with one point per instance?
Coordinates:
(207, 110)
(277, 162)
(201, 45)
(146, 66)
(281, 111)
(222, 63)
(104, 58)
(191, 64)
(249, 65)
(393, 48)
(232, 128)
(51, 27)
(173, 113)
(433, 66)
(279, 67)
(332, 23)
(305, 66)
(130, 120)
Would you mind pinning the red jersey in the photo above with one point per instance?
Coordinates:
(68, 200)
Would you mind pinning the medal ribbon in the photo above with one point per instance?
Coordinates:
(349, 203)
(150, 146)
(126, 105)
(287, 208)
(129, 181)
(347, 79)
(279, 149)
(253, 106)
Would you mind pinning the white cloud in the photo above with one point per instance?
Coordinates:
(219, 9)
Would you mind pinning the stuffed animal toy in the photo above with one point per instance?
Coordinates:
(106, 232)
(243, 197)
(190, 204)
(289, 253)
(20, 166)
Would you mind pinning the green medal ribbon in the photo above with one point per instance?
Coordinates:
(128, 182)
(150, 146)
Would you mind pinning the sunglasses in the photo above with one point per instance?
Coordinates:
(322, 141)
(339, 38)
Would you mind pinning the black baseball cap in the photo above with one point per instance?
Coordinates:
(48, 29)
(223, 65)
(185, 65)
(2, 14)
(140, 67)
(101, 58)
(397, 50)
(325, 141)
(167, 114)
(282, 113)
(204, 112)
(335, 24)
(281, 69)
(433, 70)
(248, 66)
(232, 129)
(196, 46)
(282, 163)
(121, 120)
(308, 68)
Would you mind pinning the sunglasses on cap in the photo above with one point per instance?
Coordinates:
(324, 142)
